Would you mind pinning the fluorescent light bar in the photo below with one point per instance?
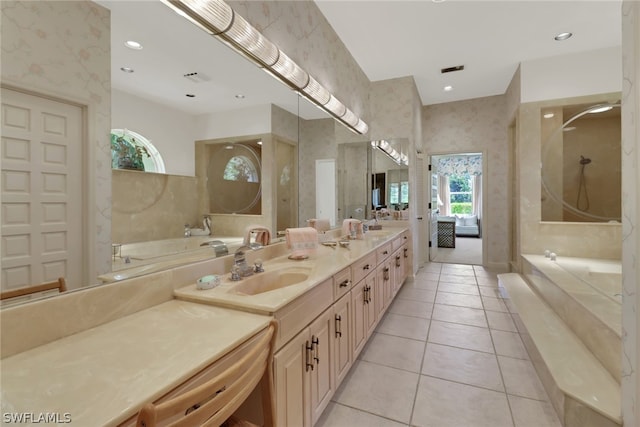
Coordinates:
(214, 16)
(336, 107)
(316, 91)
(290, 71)
(250, 39)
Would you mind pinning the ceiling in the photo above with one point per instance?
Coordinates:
(413, 38)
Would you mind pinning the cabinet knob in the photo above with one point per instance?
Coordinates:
(345, 283)
(366, 267)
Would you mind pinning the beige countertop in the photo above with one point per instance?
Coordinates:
(326, 262)
(103, 375)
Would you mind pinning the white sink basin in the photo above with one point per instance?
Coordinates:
(271, 280)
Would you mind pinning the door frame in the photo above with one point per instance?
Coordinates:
(484, 234)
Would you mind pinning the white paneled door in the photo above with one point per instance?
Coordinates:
(41, 185)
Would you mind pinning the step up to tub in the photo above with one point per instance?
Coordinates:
(580, 388)
(592, 314)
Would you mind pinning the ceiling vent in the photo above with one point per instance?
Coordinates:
(452, 69)
(197, 77)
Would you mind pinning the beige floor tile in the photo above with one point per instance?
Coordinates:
(461, 300)
(494, 304)
(453, 278)
(501, 321)
(431, 267)
(404, 326)
(520, 378)
(463, 336)
(408, 307)
(428, 275)
(427, 285)
(487, 291)
(463, 315)
(394, 352)
(458, 267)
(412, 293)
(533, 413)
(380, 390)
(509, 344)
(463, 366)
(441, 403)
(336, 415)
(458, 288)
(487, 281)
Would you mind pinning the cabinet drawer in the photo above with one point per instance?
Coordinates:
(364, 266)
(400, 240)
(341, 283)
(383, 252)
(298, 314)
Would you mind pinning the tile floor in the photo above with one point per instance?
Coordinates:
(446, 354)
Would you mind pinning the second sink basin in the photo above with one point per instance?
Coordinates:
(271, 280)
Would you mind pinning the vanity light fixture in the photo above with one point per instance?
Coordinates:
(387, 148)
(448, 88)
(218, 18)
(562, 36)
(548, 115)
(131, 44)
(126, 69)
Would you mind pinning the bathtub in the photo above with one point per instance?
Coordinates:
(604, 276)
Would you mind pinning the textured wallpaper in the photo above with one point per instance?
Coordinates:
(477, 125)
(62, 49)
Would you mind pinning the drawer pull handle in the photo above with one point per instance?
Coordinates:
(308, 357)
(398, 261)
(386, 273)
(315, 342)
(345, 283)
(385, 253)
(366, 267)
(405, 252)
(338, 325)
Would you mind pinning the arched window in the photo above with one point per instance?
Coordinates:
(241, 168)
(130, 150)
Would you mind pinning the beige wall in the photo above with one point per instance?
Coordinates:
(478, 125)
(150, 206)
(62, 50)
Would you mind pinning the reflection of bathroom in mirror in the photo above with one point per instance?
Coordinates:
(373, 177)
(390, 179)
(581, 161)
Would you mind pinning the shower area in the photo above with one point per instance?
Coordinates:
(581, 160)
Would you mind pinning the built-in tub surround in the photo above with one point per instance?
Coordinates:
(590, 312)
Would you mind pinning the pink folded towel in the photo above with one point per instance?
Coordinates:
(262, 233)
(319, 224)
(302, 241)
(349, 224)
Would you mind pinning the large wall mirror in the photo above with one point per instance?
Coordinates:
(232, 97)
(581, 161)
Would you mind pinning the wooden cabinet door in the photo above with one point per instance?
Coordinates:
(397, 260)
(383, 287)
(322, 376)
(342, 338)
(290, 370)
(359, 327)
(370, 303)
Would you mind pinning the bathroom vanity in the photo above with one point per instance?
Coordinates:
(326, 311)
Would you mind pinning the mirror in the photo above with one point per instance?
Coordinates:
(373, 180)
(173, 121)
(581, 162)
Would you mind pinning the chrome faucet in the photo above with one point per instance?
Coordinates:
(240, 267)
(187, 231)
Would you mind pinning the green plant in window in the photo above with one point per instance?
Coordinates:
(126, 153)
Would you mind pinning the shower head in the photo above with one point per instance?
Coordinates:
(584, 161)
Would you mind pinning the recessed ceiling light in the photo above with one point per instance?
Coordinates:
(127, 69)
(190, 95)
(438, 1)
(259, 142)
(239, 96)
(133, 45)
(548, 115)
(448, 88)
(562, 36)
(228, 147)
